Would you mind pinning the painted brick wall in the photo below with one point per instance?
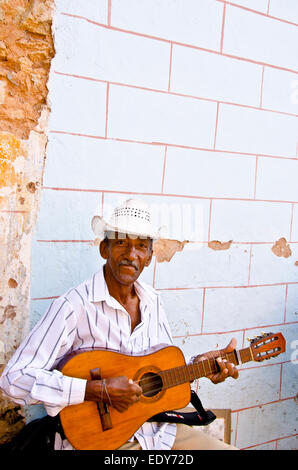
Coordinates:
(188, 104)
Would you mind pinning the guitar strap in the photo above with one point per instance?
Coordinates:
(200, 417)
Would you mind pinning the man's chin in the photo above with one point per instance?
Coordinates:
(128, 277)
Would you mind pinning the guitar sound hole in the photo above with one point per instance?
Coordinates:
(151, 384)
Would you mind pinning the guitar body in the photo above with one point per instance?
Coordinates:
(82, 424)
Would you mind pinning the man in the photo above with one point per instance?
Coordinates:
(112, 310)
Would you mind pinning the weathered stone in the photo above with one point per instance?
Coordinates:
(26, 50)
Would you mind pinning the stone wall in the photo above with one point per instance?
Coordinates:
(26, 50)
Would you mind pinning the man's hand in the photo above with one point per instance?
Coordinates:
(227, 369)
(118, 391)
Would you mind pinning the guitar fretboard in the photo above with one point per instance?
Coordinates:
(190, 372)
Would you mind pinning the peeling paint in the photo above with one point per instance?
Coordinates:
(165, 249)
(10, 150)
(26, 51)
(282, 248)
(217, 245)
(12, 283)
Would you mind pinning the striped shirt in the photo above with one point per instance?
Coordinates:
(85, 317)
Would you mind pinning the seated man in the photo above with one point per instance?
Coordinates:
(111, 310)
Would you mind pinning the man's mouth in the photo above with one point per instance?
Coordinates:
(128, 265)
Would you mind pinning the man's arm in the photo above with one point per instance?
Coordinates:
(28, 377)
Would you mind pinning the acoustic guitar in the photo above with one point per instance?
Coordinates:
(164, 377)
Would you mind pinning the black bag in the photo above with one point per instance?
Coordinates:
(36, 436)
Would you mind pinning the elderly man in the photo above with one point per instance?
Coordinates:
(111, 310)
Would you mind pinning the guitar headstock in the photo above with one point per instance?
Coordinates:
(267, 345)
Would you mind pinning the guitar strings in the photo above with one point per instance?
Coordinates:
(154, 382)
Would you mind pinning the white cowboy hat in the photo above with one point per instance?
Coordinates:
(133, 218)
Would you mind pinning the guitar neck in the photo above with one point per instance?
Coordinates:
(190, 372)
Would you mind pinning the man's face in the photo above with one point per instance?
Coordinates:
(126, 257)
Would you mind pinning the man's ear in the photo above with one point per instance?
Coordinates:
(103, 249)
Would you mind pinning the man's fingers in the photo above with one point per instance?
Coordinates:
(223, 366)
(230, 347)
(227, 369)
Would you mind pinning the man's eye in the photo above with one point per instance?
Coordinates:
(143, 245)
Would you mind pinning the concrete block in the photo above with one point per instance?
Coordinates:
(286, 10)
(257, 37)
(66, 215)
(265, 423)
(54, 271)
(253, 387)
(294, 235)
(268, 268)
(292, 303)
(200, 266)
(255, 131)
(215, 76)
(196, 23)
(209, 174)
(254, 221)
(184, 310)
(77, 105)
(290, 377)
(115, 56)
(243, 308)
(288, 443)
(95, 11)
(102, 164)
(258, 5)
(276, 179)
(198, 344)
(266, 446)
(159, 117)
(280, 91)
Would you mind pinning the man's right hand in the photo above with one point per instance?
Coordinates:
(120, 391)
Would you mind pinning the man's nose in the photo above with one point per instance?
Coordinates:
(131, 252)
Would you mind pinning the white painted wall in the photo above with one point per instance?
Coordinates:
(192, 106)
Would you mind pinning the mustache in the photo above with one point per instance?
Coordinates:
(128, 263)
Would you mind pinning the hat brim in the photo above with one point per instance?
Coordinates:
(100, 228)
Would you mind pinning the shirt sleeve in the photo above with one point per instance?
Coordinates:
(30, 376)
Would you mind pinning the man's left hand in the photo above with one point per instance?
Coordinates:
(227, 369)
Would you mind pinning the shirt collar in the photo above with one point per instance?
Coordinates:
(99, 291)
